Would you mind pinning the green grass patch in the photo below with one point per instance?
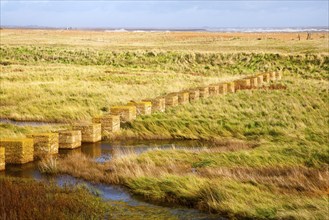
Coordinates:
(231, 198)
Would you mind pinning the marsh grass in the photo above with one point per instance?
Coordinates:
(174, 41)
(298, 179)
(29, 199)
(278, 170)
(296, 114)
(200, 179)
(48, 165)
(69, 93)
(70, 81)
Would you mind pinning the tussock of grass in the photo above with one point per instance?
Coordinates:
(168, 188)
(48, 165)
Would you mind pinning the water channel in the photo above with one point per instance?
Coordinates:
(101, 152)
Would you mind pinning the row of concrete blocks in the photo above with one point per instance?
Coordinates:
(110, 122)
(35, 146)
(256, 81)
(24, 150)
(145, 107)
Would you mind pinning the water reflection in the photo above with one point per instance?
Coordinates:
(93, 150)
(69, 151)
(29, 170)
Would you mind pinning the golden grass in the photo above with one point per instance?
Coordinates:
(23, 198)
(83, 91)
(286, 179)
(126, 165)
(184, 41)
(14, 131)
(48, 165)
(86, 72)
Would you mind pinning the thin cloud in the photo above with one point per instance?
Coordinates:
(165, 13)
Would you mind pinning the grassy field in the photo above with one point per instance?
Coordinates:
(270, 157)
(171, 41)
(276, 168)
(63, 76)
(297, 113)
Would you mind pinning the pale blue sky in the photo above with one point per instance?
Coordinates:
(165, 14)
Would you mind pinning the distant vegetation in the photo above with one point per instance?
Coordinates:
(205, 64)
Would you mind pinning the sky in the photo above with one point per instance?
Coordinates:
(165, 14)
